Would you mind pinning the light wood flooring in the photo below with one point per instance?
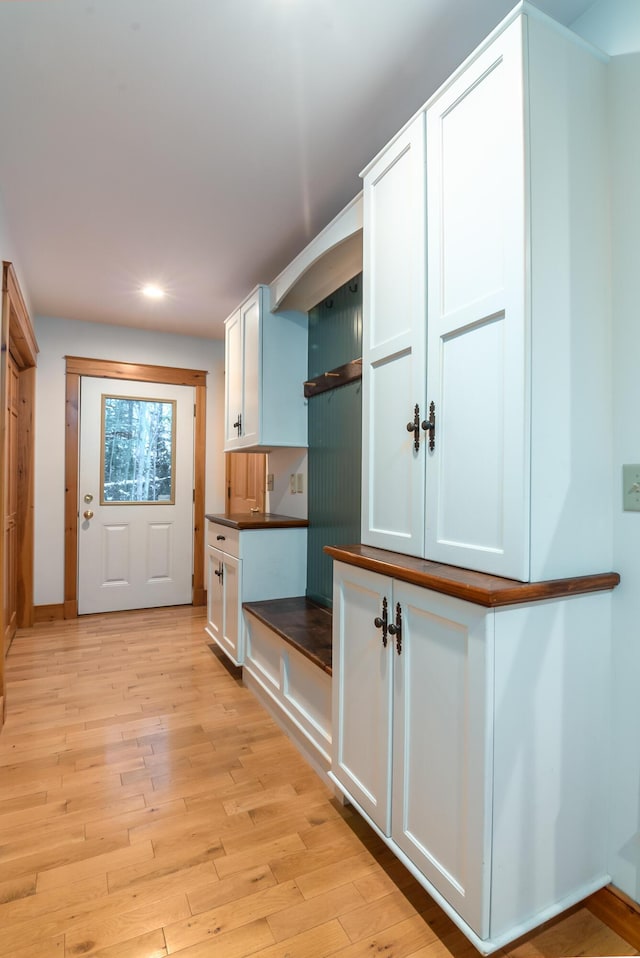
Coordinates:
(149, 806)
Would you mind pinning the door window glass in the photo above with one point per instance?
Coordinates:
(138, 443)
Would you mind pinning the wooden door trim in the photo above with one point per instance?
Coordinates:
(18, 340)
(77, 366)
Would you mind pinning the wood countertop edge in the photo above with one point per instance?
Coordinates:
(475, 587)
(259, 521)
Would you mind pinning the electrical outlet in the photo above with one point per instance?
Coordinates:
(269, 482)
(292, 483)
(631, 488)
(299, 482)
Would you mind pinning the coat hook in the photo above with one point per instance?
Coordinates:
(354, 288)
(328, 303)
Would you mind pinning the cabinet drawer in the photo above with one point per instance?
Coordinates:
(223, 538)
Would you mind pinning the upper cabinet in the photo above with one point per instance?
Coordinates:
(265, 368)
(486, 237)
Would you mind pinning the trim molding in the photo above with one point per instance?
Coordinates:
(618, 911)
(77, 366)
(48, 613)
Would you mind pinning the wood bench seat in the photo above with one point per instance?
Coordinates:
(301, 622)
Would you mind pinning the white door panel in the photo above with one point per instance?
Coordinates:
(134, 554)
(478, 474)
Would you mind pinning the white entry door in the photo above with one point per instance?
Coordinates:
(135, 527)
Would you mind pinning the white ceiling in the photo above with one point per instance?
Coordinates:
(202, 143)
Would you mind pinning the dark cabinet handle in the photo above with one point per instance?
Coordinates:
(414, 427)
(381, 623)
(429, 425)
(238, 424)
(220, 573)
(396, 629)
(220, 538)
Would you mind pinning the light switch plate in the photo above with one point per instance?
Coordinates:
(631, 488)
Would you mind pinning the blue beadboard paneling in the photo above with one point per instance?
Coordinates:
(335, 440)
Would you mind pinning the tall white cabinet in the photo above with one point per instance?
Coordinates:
(493, 250)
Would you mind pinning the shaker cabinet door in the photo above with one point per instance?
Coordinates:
(442, 746)
(362, 668)
(477, 475)
(393, 351)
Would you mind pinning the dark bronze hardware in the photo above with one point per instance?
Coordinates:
(381, 623)
(396, 629)
(220, 573)
(429, 425)
(414, 427)
(220, 538)
(238, 424)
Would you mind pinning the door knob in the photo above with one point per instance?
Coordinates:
(88, 497)
(88, 514)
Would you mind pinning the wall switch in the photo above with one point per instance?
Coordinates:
(292, 482)
(269, 482)
(299, 482)
(631, 488)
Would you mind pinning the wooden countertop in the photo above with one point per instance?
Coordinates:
(476, 587)
(258, 520)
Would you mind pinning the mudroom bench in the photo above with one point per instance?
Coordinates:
(287, 665)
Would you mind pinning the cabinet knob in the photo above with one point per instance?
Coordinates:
(381, 623)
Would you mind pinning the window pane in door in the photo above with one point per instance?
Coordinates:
(138, 443)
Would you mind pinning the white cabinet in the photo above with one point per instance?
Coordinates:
(516, 317)
(471, 744)
(265, 370)
(224, 608)
(247, 565)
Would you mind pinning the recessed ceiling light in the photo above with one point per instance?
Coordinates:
(151, 291)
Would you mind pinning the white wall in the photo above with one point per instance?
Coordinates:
(58, 338)
(614, 26)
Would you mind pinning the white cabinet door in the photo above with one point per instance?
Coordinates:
(362, 669)
(393, 352)
(234, 378)
(223, 602)
(251, 318)
(442, 753)
(478, 474)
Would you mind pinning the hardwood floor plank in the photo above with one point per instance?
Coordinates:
(150, 945)
(207, 925)
(318, 911)
(93, 857)
(121, 926)
(251, 939)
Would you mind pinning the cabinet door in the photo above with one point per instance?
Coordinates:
(234, 374)
(224, 622)
(251, 319)
(478, 474)
(442, 751)
(393, 350)
(362, 691)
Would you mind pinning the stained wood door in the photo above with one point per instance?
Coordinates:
(134, 551)
(11, 505)
(245, 481)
